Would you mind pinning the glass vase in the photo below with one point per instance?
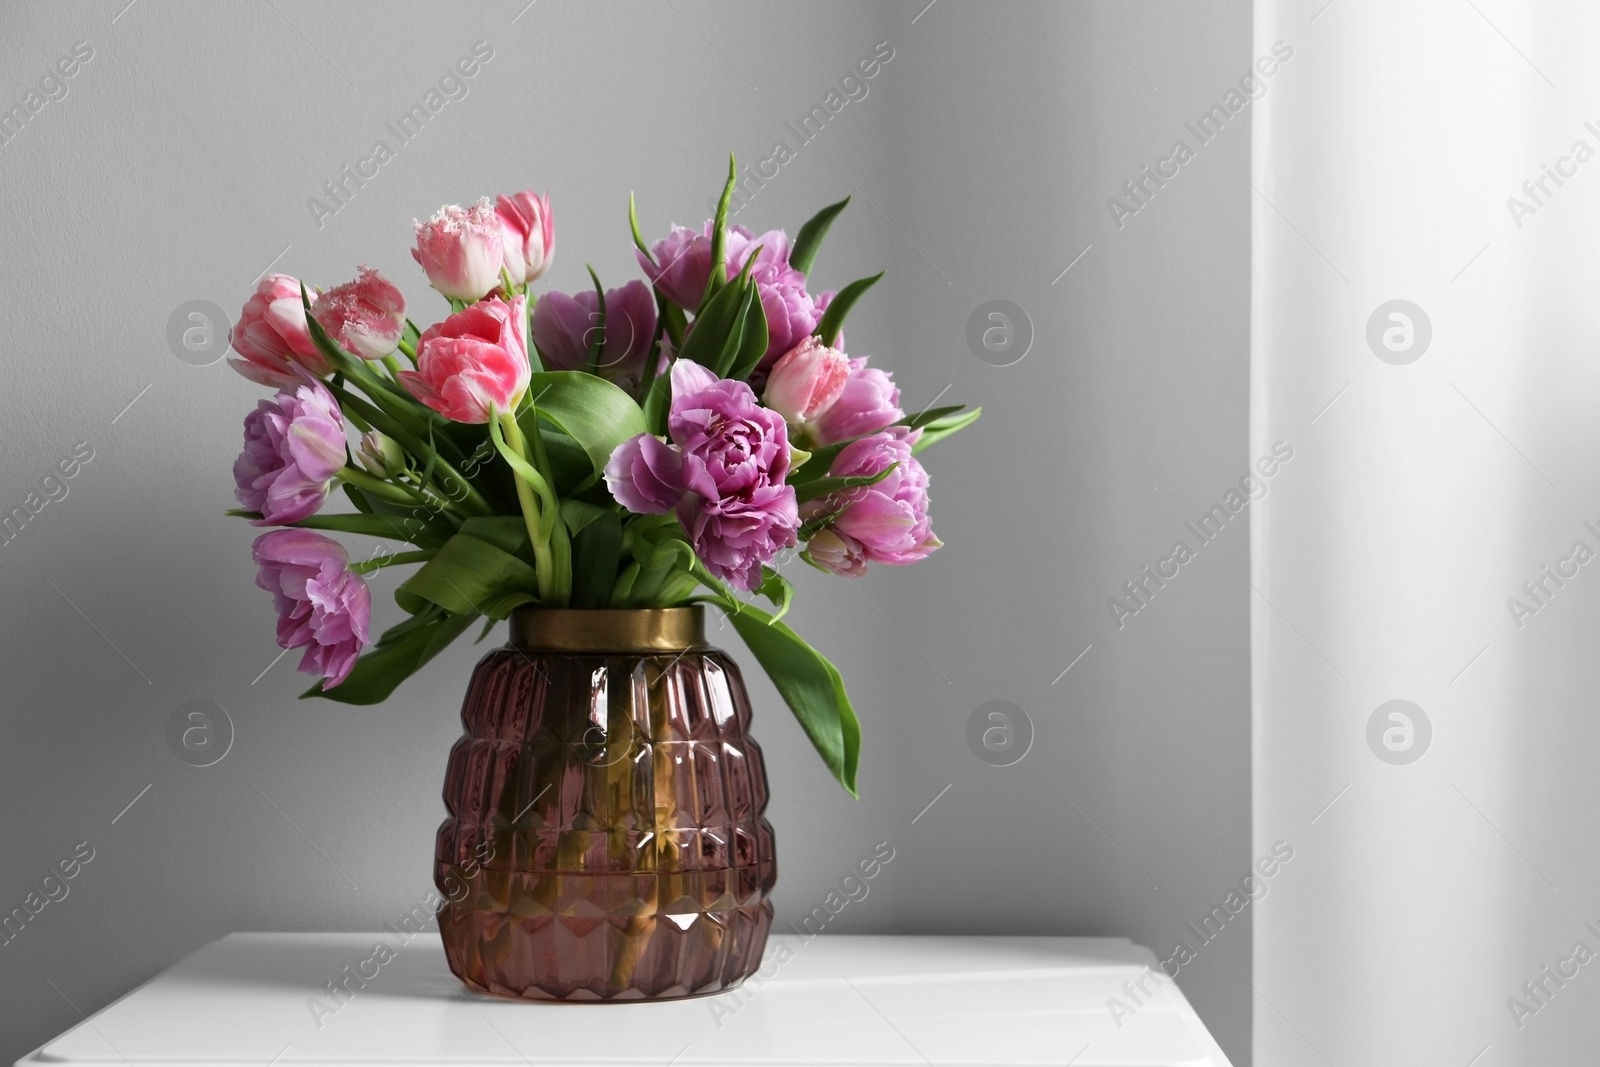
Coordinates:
(605, 838)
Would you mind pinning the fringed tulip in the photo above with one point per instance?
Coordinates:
(462, 250)
(367, 316)
(806, 381)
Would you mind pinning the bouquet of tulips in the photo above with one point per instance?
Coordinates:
(651, 445)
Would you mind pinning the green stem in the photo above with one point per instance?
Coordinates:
(400, 493)
(446, 471)
(560, 541)
(541, 514)
(379, 488)
(393, 365)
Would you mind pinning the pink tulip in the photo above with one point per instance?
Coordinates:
(293, 447)
(366, 316)
(868, 403)
(271, 336)
(474, 363)
(885, 522)
(461, 249)
(529, 234)
(806, 381)
(323, 606)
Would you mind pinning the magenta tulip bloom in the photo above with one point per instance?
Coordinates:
(323, 606)
(565, 326)
(293, 447)
(271, 336)
(869, 402)
(366, 317)
(792, 315)
(723, 474)
(528, 234)
(462, 250)
(683, 263)
(474, 362)
(885, 522)
(806, 381)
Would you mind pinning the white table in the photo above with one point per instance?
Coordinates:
(248, 999)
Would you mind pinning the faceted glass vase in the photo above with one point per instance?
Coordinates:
(605, 838)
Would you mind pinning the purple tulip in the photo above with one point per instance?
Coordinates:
(885, 522)
(293, 447)
(565, 326)
(323, 606)
(792, 315)
(683, 263)
(723, 474)
(868, 403)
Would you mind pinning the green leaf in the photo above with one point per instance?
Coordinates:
(810, 685)
(819, 487)
(664, 548)
(569, 464)
(468, 576)
(833, 319)
(818, 462)
(633, 224)
(508, 533)
(596, 549)
(939, 429)
(927, 415)
(399, 654)
(718, 326)
(815, 525)
(424, 534)
(595, 413)
(673, 320)
(577, 514)
(808, 242)
(776, 588)
(719, 238)
(752, 337)
(599, 339)
(357, 498)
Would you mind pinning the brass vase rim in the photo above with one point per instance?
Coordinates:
(596, 630)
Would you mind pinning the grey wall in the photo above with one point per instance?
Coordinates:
(178, 167)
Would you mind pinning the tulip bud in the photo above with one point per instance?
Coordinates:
(806, 381)
(381, 455)
(529, 235)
